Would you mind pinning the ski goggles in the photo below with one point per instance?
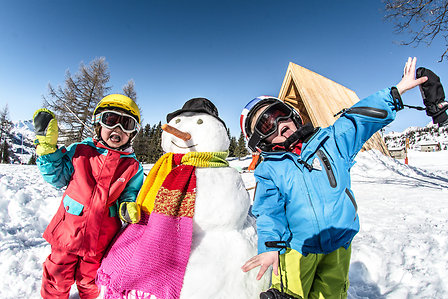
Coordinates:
(111, 119)
(267, 122)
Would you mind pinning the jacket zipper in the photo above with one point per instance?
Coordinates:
(328, 169)
(366, 111)
(352, 199)
(311, 202)
(59, 222)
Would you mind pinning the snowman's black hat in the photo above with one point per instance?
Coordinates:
(198, 105)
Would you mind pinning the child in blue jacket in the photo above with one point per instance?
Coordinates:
(303, 200)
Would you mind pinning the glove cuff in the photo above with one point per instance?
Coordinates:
(45, 149)
(129, 212)
(398, 103)
(440, 118)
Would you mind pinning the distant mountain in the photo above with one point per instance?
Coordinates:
(418, 136)
(21, 141)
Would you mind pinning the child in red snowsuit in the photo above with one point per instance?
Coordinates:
(102, 177)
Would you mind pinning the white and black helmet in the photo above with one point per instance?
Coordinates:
(266, 123)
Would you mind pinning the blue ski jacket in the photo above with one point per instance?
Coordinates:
(306, 200)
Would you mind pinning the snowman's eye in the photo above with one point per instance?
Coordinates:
(177, 121)
(200, 121)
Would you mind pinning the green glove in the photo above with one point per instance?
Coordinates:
(46, 129)
(129, 212)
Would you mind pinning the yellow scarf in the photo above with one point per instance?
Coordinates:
(163, 167)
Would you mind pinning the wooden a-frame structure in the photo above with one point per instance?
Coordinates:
(318, 99)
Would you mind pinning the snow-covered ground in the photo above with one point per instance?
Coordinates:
(400, 252)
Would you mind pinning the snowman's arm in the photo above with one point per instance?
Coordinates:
(269, 208)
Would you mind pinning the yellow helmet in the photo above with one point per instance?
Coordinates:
(119, 101)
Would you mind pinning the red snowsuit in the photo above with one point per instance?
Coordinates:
(97, 180)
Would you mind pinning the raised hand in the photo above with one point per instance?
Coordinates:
(46, 129)
(408, 81)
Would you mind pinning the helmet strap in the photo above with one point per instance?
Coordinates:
(302, 134)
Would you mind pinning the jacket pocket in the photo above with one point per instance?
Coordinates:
(368, 111)
(328, 168)
(58, 223)
(71, 206)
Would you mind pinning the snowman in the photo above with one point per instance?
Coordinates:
(222, 236)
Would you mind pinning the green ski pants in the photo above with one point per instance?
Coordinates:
(314, 275)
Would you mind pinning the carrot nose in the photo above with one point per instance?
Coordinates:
(178, 133)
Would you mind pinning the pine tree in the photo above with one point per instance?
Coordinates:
(155, 150)
(5, 153)
(129, 91)
(232, 144)
(241, 150)
(5, 131)
(74, 104)
(32, 160)
(141, 143)
(5, 123)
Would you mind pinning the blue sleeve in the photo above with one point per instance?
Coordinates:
(57, 168)
(269, 209)
(358, 123)
(133, 187)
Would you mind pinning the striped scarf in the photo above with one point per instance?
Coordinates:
(151, 257)
(164, 166)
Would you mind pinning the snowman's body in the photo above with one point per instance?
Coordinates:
(224, 235)
(224, 238)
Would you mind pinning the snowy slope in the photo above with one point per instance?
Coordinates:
(401, 251)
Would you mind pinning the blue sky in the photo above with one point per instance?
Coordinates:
(227, 51)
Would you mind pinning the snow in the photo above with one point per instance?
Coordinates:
(400, 252)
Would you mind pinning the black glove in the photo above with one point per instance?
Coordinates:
(433, 96)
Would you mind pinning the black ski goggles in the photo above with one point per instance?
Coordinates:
(267, 122)
(111, 119)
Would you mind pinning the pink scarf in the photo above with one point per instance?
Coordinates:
(151, 256)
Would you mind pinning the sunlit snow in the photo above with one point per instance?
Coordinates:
(400, 252)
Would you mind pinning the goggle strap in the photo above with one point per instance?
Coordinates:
(96, 118)
(254, 140)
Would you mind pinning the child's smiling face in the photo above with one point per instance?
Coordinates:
(284, 129)
(115, 137)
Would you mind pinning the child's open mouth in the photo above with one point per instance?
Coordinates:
(115, 138)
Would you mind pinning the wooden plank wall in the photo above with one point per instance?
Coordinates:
(318, 99)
